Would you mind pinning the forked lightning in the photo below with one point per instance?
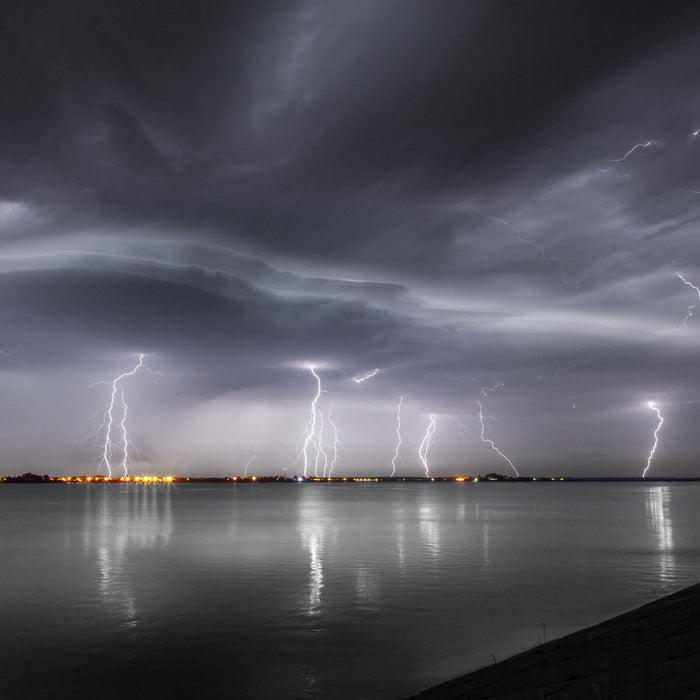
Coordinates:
(425, 444)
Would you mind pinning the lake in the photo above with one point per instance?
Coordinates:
(313, 590)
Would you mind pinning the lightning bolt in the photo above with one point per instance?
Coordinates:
(559, 370)
(462, 379)
(125, 434)
(247, 464)
(320, 451)
(11, 356)
(630, 152)
(537, 246)
(359, 380)
(463, 429)
(490, 442)
(311, 438)
(118, 407)
(653, 407)
(485, 390)
(691, 308)
(398, 437)
(425, 444)
(334, 459)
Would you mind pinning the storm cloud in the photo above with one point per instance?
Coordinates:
(462, 195)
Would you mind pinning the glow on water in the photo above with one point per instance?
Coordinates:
(318, 590)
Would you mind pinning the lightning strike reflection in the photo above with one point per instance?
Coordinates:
(490, 442)
(425, 444)
(655, 408)
(659, 515)
(113, 533)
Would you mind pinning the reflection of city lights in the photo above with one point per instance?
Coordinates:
(143, 479)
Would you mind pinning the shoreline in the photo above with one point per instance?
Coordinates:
(649, 652)
(30, 478)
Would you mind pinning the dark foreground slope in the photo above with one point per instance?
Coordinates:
(650, 652)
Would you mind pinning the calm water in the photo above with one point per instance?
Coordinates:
(316, 590)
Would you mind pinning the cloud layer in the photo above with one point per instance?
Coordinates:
(462, 195)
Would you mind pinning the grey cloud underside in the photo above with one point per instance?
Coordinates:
(450, 193)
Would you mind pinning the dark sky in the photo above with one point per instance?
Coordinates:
(462, 195)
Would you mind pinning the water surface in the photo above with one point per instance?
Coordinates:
(317, 590)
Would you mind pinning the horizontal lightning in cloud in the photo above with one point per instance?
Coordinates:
(560, 370)
(636, 146)
(537, 246)
(12, 357)
(359, 380)
(486, 390)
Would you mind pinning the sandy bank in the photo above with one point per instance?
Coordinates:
(650, 652)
